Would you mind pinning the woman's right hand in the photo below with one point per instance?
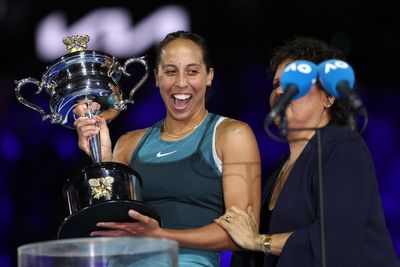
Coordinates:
(89, 127)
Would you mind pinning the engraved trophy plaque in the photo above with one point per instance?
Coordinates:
(103, 191)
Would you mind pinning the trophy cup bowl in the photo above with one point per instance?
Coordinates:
(103, 191)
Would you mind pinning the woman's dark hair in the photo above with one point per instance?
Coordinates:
(316, 51)
(197, 39)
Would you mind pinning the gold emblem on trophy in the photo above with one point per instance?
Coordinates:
(76, 42)
(101, 187)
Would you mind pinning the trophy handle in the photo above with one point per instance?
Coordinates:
(121, 105)
(55, 118)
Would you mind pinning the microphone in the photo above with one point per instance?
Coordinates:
(296, 80)
(337, 77)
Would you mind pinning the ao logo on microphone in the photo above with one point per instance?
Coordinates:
(300, 73)
(301, 67)
(334, 65)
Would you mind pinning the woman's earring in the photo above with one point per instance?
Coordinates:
(331, 100)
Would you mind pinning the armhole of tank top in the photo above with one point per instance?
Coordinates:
(217, 160)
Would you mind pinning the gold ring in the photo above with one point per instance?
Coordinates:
(228, 218)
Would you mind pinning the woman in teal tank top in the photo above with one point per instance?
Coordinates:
(193, 164)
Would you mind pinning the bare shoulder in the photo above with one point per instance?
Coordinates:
(131, 137)
(126, 144)
(232, 127)
(233, 132)
(235, 141)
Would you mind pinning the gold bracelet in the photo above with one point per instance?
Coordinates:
(265, 242)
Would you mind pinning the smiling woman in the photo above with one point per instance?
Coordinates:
(193, 163)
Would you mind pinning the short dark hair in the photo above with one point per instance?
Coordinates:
(316, 51)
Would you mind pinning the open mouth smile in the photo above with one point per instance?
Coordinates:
(180, 101)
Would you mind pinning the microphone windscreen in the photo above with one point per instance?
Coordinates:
(333, 71)
(300, 73)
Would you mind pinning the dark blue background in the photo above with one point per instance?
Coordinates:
(37, 157)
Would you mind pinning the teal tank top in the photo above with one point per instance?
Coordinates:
(181, 180)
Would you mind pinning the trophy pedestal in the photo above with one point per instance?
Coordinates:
(82, 222)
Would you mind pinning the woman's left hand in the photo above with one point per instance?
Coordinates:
(143, 226)
(241, 226)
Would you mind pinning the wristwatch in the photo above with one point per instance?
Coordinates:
(266, 243)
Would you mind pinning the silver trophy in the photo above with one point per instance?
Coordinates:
(103, 191)
(82, 74)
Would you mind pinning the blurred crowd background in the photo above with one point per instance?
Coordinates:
(36, 157)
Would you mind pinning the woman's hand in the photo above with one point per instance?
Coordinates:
(143, 226)
(89, 127)
(241, 226)
(243, 229)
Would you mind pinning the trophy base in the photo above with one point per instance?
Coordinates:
(83, 222)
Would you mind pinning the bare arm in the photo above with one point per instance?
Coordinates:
(243, 227)
(241, 171)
